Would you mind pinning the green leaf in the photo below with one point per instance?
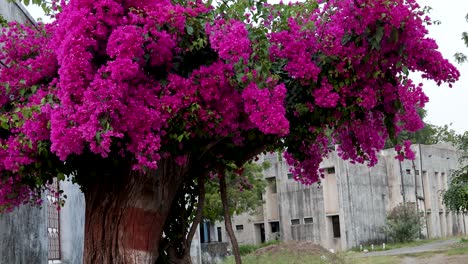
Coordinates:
(5, 125)
(346, 38)
(394, 35)
(189, 29)
(398, 65)
(180, 137)
(405, 70)
(60, 176)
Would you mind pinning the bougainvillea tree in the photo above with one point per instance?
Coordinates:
(137, 99)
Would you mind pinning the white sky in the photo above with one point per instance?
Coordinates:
(449, 105)
(446, 105)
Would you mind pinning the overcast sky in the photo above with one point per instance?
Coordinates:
(449, 105)
(446, 105)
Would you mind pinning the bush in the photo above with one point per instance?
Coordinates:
(403, 224)
(249, 248)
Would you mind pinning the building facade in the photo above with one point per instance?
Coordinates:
(349, 206)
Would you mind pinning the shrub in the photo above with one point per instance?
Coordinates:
(247, 249)
(403, 223)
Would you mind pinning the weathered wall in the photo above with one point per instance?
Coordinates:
(195, 248)
(23, 236)
(14, 12)
(72, 220)
(361, 192)
(298, 202)
(214, 253)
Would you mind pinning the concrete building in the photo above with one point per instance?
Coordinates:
(349, 207)
(44, 234)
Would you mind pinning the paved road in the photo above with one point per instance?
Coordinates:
(434, 246)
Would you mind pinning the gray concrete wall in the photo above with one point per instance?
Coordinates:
(23, 233)
(23, 236)
(214, 253)
(298, 202)
(13, 11)
(72, 221)
(362, 192)
(195, 248)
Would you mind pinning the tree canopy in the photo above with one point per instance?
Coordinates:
(139, 82)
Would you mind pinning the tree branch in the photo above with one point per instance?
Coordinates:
(198, 216)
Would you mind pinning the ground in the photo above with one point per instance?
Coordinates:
(453, 251)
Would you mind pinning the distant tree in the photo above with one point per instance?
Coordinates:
(456, 196)
(429, 134)
(244, 190)
(460, 57)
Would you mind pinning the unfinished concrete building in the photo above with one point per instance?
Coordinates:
(349, 207)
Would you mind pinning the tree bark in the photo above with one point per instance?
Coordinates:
(126, 212)
(227, 219)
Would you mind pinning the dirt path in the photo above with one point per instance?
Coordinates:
(434, 246)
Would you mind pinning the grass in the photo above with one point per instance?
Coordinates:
(288, 253)
(282, 258)
(374, 260)
(351, 257)
(460, 249)
(249, 248)
(390, 246)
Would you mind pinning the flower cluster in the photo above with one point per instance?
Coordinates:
(142, 81)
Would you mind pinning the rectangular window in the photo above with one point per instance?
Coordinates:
(408, 171)
(308, 220)
(417, 172)
(220, 236)
(336, 226)
(331, 170)
(239, 227)
(290, 175)
(295, 221)
(53, 222)
(272, 185)
(274, 227)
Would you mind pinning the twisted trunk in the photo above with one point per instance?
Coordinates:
(126, 213)
(227, 219)
(179, 232)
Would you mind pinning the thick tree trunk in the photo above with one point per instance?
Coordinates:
(126, 213)
(227, 219)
